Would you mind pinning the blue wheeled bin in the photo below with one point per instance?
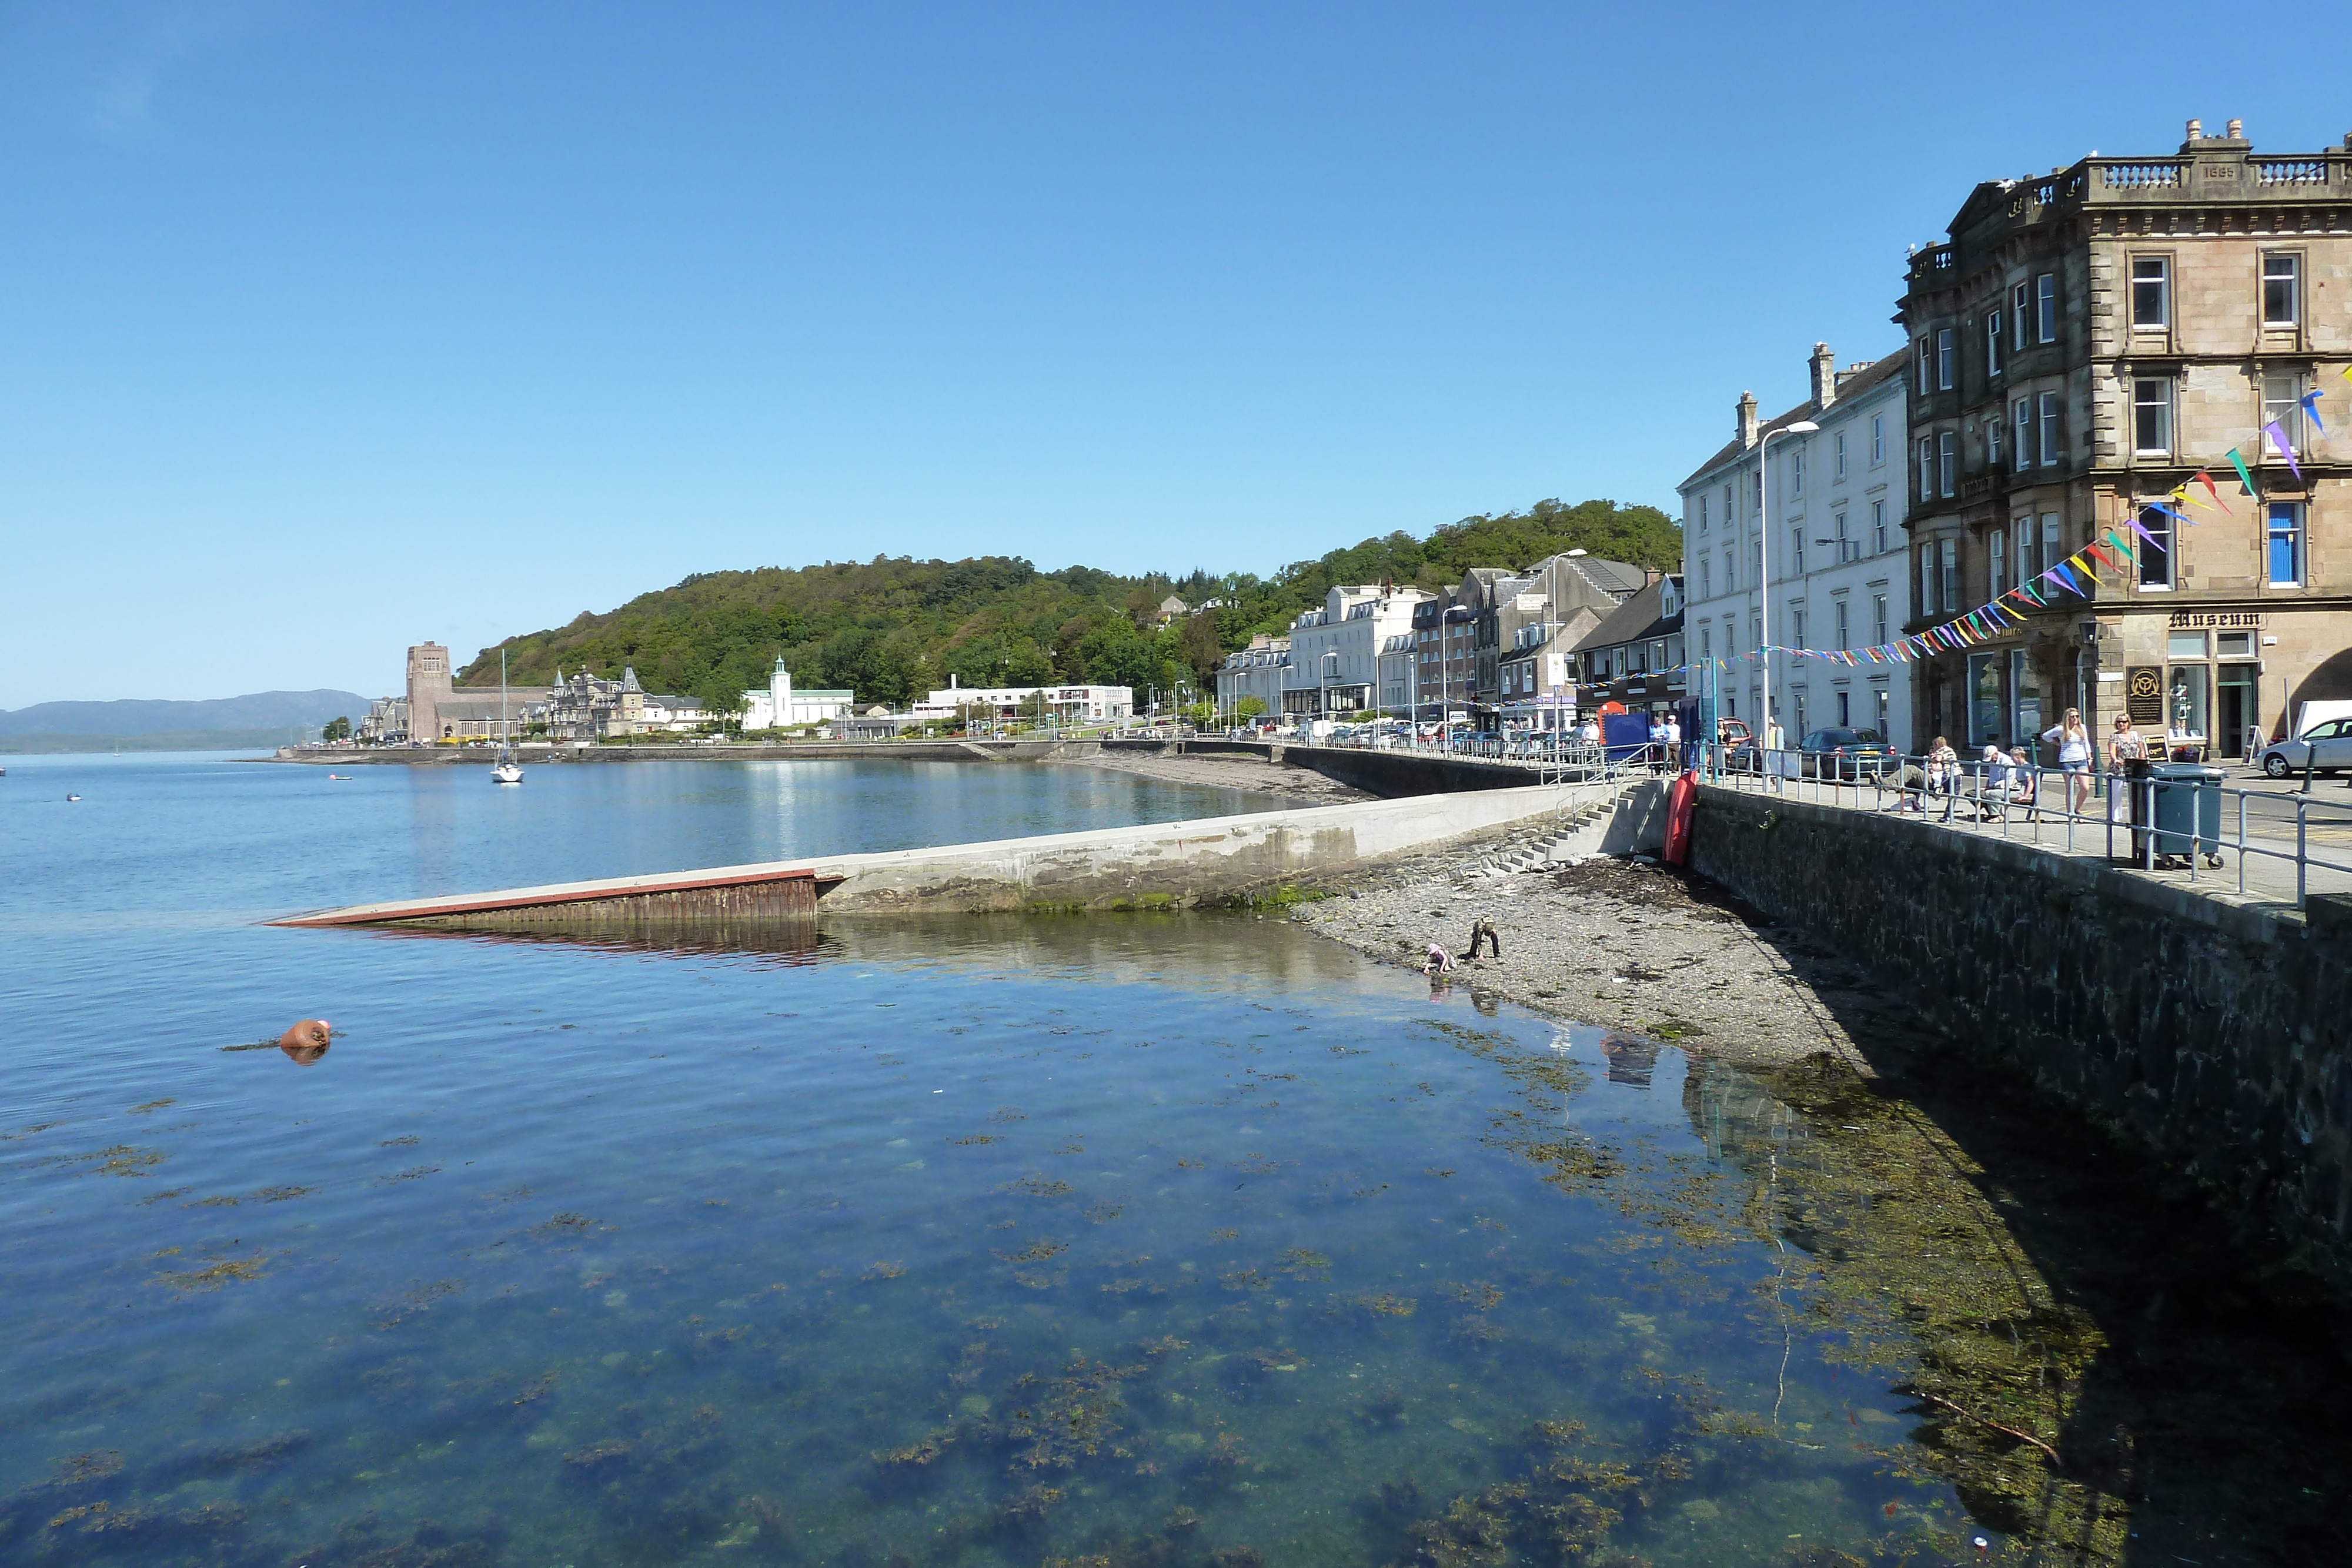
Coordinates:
(2188, 811)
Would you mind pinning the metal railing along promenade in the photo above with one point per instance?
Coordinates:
(2161, 824)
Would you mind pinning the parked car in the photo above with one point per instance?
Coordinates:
(1845, 754)
(2326, 748)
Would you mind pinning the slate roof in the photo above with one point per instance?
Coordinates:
(1861, 381)
(1634, 621)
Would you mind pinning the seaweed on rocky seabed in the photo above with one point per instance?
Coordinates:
(2091, 1356)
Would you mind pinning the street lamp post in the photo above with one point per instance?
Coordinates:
(1764, 570)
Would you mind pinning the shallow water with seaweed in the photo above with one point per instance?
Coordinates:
(1143, 1240)
(1000, 1243)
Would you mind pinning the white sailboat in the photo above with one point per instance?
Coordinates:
(507, 771)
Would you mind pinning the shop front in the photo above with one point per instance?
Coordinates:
(2210, 681)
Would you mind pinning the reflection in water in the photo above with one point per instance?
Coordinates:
(1169, 1239)
(1632, 1059)
(307, 1041)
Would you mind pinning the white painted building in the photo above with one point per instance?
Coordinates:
(780, 708)
(1070, 705)
(1262, 671)
(1838, 555)
(1336, 652)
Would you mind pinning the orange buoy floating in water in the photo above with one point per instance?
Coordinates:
(307, 1041)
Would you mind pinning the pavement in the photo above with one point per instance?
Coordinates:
(2258, 814)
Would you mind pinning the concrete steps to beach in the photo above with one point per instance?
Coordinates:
(1624, 822)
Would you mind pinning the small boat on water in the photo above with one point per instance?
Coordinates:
(73, 797)
(507, 771)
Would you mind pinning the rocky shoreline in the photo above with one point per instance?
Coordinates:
(1624, 945)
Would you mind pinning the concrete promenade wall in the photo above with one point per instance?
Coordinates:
(1388, 774)
(2218, 1031)
(1166, 865)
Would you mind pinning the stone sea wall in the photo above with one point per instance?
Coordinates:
(2215, 1031)
(1206, 861)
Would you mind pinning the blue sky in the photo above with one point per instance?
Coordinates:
(325, 328)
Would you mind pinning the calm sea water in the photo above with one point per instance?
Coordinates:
(1133, 1240)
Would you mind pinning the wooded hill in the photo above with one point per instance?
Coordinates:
(891, 630)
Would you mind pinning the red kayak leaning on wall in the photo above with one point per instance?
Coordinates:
(1681, 797)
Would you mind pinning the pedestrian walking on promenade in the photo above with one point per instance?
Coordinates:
(2073, 743)
(1944, 774)
(2126, 744)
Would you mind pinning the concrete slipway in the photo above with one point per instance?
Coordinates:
(1212, 861)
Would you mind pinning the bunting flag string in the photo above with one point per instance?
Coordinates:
(2077, 575)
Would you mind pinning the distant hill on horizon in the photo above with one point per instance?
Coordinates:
(240, 718)
(893, 630)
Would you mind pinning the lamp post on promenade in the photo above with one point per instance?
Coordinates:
(1764, 570)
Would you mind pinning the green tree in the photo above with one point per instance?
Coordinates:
(891, 628)
(1249, 708)
(722, 697)
(337, 730)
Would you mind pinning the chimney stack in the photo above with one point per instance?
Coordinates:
(2237, 130)
(2196, 129)
(1746, 419)
(1824, 376)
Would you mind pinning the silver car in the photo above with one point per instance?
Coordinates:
(2326, 748)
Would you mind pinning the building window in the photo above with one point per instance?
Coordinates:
(1997, 563)
(1928, 579)
(1730, 572)
(1993, 428)
(1841, 453)
(1992, 343)
(2019, 297)
(2026, 570)
(2282, 290)
(1944, 358)
(1797, 470)
(1706, 643)
(1878, 619)
(2045, 309)
(1927, 367)
(1797, 624)
(1878, 528)
(2151, 292)
(1797, 550)
(1878, 439)
(1949, 572)
(2285, 541)
(1947, 463)
(2050, 438)
(2022, 415)
(2281, 406)
(1702, 514)
(1926, 469)
(1705, 578)
(1842, 640)
(1846, 710)
(2051, 554)
(1844, 546)
(1726, 505)
(2152, 415)
(2155, 548)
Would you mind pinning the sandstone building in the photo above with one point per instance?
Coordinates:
(2087, 342)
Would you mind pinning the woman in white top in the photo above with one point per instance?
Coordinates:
(2073, 744)
(1944, 774)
